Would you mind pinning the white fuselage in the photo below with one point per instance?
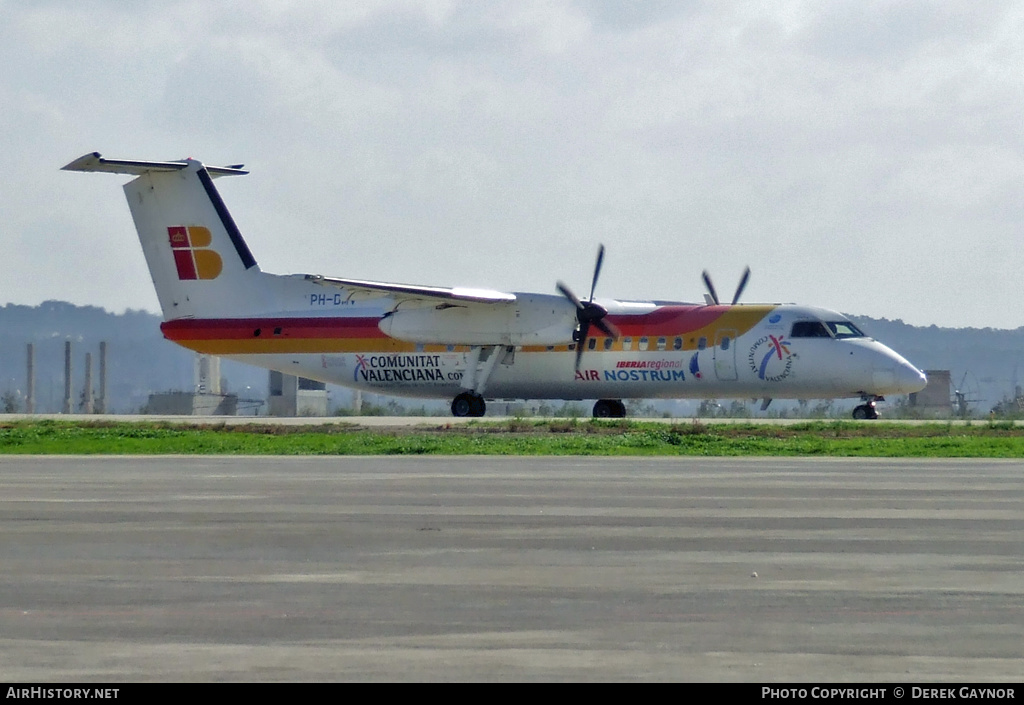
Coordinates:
(471, 344)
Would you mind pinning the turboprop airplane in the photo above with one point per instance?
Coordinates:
(469, 345)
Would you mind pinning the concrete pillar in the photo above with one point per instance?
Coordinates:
(67, 377)
(207, 374)
(30, 395)
(101, 406)
(87, 392)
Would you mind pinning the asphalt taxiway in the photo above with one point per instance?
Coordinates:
(440, 568)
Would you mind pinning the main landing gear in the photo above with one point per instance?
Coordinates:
(609, 409)
(468, 404)
(867, 410)
(471, 401)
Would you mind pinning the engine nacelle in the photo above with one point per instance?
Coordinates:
(530, 320)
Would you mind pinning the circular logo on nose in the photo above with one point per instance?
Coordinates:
(770, 358)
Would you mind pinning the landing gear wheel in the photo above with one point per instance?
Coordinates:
(865, 411)
(477, 406)
(468, 404)
(609, 409)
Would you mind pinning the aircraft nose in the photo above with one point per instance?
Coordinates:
(910, 379)
(895, 375)
(899, 377)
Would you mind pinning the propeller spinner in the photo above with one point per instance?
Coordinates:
(589, 313)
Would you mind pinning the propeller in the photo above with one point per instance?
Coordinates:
(589, 313)
(739, 289)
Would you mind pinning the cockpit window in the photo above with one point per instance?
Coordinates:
(844, 329)
(828, 329)
(809, 329)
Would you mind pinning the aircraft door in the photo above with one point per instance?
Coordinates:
(725, 355)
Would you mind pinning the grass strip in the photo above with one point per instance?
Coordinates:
(519, 437)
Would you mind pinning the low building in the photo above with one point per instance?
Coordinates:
(192, 404)
(296, 396)
(206, 400)
(934, 400)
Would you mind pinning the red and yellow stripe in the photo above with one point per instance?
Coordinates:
(323, 335)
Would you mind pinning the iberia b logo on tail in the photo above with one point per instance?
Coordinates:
(192, 253)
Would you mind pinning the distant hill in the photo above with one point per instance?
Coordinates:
(989, 362)
(139, 360)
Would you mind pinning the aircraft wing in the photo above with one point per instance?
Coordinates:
(412, 292)
(95, 162)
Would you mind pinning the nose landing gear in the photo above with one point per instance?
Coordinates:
(867, 410)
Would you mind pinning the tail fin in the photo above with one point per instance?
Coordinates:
(197, 258)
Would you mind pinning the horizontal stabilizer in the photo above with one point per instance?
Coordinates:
(412, 291)
(94, 162)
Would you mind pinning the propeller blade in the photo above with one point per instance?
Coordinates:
(584, 329)
(587, 312)
(742, 286)
(597, 271)
(567, 293)
(711, 287)
(608, 328)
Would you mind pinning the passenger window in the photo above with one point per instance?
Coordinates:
(661, 343)
(627, 343)
(677, 344)
(608, 343)
(702, 344)
(725, 343)
(643, 343)
(592, 344)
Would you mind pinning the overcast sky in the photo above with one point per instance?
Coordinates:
(862, 156)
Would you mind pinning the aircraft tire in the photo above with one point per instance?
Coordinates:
(864, 412)
(468, 404)
(477, 406)
(609, 409)
(462, 405)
